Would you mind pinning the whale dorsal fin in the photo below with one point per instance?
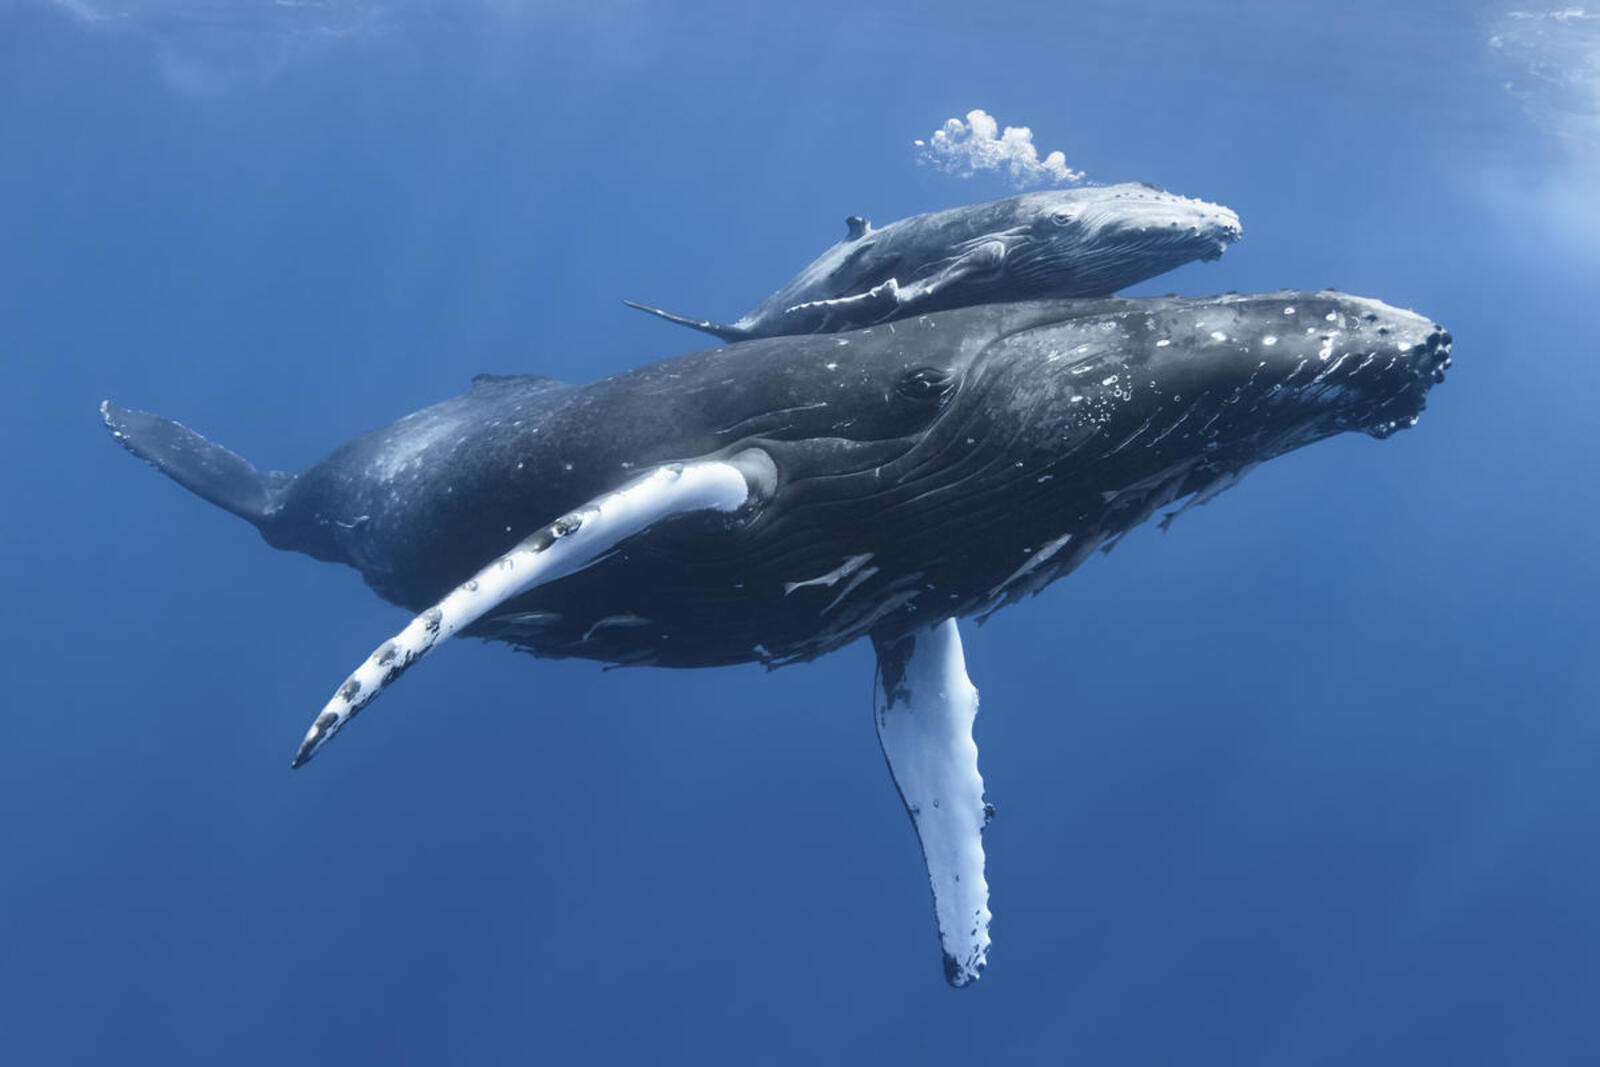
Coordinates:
(923, 706)
(569, 544)
(856, 227)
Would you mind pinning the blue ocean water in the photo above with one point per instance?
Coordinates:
(1309, 779)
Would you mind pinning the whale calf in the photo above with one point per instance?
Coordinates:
(774, 500)
(1087, 242)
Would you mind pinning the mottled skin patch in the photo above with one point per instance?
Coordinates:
(397, 670)
(326, 722)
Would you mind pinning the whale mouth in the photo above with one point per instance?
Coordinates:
(1437, 351)
(1429, 359)
(1205, 239)
(1223, 233)
(1126, 251)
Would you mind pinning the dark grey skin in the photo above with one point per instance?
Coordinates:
(1087, 242)
(974, 455)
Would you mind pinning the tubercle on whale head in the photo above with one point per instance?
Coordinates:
(1430, 358)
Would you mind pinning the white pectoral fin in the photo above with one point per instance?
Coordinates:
(924, 707)
(567, 545)
(879, 302)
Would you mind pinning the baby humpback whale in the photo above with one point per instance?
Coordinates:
(777, 499)
(1086, 242)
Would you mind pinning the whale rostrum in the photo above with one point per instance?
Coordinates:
(776, 499)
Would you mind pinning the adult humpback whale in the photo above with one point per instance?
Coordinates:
(775, 500)
(1061, 243)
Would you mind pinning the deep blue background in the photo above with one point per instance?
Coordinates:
(1314, 778)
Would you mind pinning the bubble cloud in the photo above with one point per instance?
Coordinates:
(978, 144)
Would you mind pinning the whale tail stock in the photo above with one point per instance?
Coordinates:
(205, 469)
(715, 329)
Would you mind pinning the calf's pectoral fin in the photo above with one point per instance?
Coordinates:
(924, 707)
(890, 299)
(880, 302)
(567, 545)
(982, 261)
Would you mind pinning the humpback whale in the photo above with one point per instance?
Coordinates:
(1086, 242)
(776, 499)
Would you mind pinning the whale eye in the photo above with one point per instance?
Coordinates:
(1061, 218)
(926, 383)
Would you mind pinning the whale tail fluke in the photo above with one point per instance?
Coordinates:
(207, 470)
(715, 329)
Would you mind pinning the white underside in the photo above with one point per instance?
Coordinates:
(925, 727)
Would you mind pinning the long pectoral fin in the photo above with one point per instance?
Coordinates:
(924, 707)
(567, 545)
(875, 305)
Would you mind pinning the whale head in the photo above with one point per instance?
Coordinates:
(1083, 419)
(1095, 241)
(1136, 389)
